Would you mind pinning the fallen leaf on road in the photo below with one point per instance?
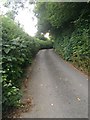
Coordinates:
(51, 104)
(78, 98)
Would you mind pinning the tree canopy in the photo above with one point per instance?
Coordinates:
(56, 16)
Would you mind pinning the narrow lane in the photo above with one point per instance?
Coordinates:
(58, 89)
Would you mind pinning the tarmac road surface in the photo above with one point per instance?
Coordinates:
(58, 89)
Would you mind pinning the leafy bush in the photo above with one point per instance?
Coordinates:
(45, 44)
(18, 50)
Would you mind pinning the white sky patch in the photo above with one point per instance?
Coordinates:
(27, 19)
(3, 10)
(2, 1)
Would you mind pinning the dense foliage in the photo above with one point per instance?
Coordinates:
(18, 50)
(69, 26)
